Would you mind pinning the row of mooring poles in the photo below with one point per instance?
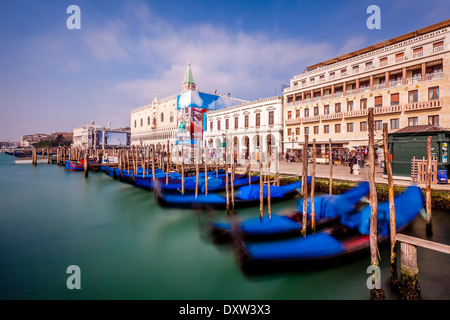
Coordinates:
(408, 285)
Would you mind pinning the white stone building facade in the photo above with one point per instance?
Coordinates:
(253, 129)
(404, 79)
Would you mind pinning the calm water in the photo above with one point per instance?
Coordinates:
(127, 247)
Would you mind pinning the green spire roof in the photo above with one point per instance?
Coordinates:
(188, 77)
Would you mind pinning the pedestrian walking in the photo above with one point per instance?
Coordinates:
(353, 161)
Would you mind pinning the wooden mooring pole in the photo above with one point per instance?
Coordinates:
(409, 285)
(226, 176)
(428, 188)
(168, 163)
(269, 206)
(182, 167)
(313, 185)
(86, 162)
(393, 231)
(261, 186)
(330, 190)
(375, 293)
(197, 168)
(206, 169)
(305, 184)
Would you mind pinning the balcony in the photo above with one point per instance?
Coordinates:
(379, 86)
(413, 80)
(434, 76)
(316, 98)
(331, 116)
(364, 89)
(311, 119)
(425, 105)
(395, 83)
(350, 92)
(388, 109)
(438, 49)
(294, 121)
(356, 113)
(418, 54)
(400, 59)
(326, 96)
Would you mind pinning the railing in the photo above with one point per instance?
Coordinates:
(434, 76)
(438, 49)
(388, 109)
(379, 86)
(395, 83)
(356, 113)
(350, 92)
(400, 59)
(422, 105)
(364, 89)
(413, 80)
(326, 96)
(418, 54)
(311, 119)
(316, 98)
(331, 116)
(294, 121)
(408, 261)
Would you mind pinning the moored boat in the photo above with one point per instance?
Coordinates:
(246, 196)
(335, 244)
(73, 166)
(328, 210)
(29, 160)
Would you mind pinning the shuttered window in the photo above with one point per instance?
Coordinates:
(395, 99)
(378, 101)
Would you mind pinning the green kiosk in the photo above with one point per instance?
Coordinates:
(411, 142)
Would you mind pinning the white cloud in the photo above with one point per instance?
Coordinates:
(244, 64)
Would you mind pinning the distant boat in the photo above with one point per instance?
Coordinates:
(74, 166)
(29, 160)
(337, 243)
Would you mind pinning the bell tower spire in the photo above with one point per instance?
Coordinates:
(188, 83)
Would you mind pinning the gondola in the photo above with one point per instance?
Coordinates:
(174, 184)
(246, 196)
(328, 210)
(336, 244)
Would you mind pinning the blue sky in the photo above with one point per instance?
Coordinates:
(55, 79)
